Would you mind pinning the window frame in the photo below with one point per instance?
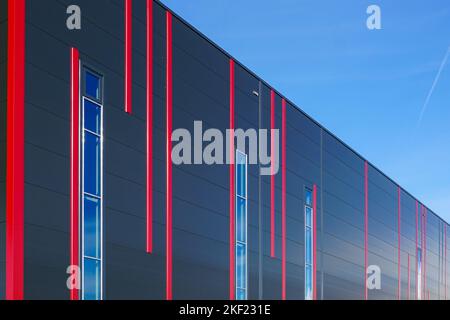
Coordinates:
(238, 242)
(83, 131)
(87, 68)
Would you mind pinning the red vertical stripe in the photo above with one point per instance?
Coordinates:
(399, 237)
(283, 202)
(232, 187)
(315, 242)
(366, 226)
(272, 176)
(128, 54)
(149, 126)
(417, 249)
(74, 163)
(169, 156)
(15, 139)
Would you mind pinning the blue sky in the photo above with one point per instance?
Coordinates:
(367, 87)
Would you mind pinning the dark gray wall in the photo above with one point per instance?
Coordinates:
(3, 90)
(343, 234)
(47, 165)
(129, 272)
(200, 193)
(200, 213)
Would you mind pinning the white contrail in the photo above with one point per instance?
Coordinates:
(424, 108)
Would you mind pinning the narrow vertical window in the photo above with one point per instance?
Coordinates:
(309, 236)
(92, 186)
(241, 226)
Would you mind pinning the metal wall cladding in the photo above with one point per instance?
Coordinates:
(200, 192)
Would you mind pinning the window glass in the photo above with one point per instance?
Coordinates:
(241, 225)
(308, 246)
(240, 266)
(241, 205)
(92, 227)
(308, 197)
(241, 158)
(92, 85)
(91, 279)
(308, 216)
(419, 230)
(92, 116)
(308, 283)
(241, 175)
(92, 164)
(240, 294)
(91, 186)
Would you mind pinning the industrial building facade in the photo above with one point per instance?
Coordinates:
(93, 207)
